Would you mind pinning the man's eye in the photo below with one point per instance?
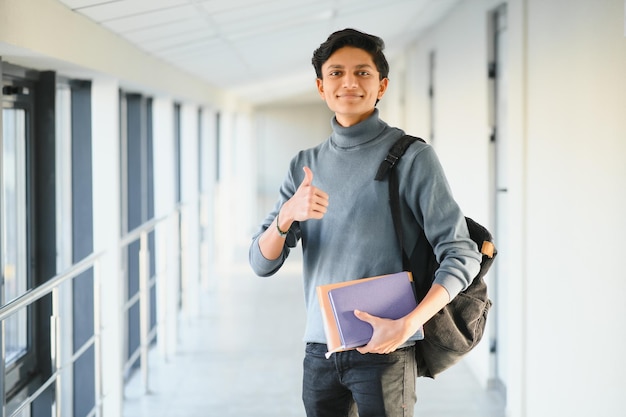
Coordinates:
(335, 73)
(364, 73)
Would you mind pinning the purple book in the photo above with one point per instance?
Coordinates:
(388, 296)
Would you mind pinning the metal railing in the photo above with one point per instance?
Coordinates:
(52, 286)
(146, 283)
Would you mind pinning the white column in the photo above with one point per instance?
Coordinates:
(167, 235)
(106, 229)
(190, 198)
(236, 192)
(208, 161)
(245, 197)
(224, 216)
(514, 295)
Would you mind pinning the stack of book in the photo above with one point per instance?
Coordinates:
(387, 296)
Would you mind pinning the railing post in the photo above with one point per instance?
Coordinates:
(97, 327)
(162, 239)
(55, 344)
(144, 307)
(2, 367)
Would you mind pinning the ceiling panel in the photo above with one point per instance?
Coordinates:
(294, 44)
(164, 30)
(118, 9)
(243, 45)
(218, 6)
(199, 48)
(150, 19)
(265, 18)
(174, 41)
(77, 4)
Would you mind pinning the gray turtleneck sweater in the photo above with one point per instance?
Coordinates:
(356, 237)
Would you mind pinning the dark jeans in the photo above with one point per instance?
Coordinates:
(374, 385)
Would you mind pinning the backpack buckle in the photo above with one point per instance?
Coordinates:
(391, 160)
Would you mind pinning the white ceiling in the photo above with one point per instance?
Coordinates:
(259, 49)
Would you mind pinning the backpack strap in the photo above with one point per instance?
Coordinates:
(386, 168)
(395, 153)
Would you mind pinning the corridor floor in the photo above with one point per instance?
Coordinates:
(242, 357)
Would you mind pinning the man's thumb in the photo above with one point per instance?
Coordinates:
(362, 315)
(308, 177)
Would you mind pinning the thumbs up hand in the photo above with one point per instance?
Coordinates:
(308, 202)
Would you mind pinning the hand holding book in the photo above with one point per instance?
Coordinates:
(384, 298)
(388, 334)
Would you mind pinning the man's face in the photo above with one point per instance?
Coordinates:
(350, 85)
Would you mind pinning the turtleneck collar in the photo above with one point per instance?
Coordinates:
(360, 133)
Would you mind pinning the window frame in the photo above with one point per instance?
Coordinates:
(21, 372)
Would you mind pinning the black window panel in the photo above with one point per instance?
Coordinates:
(82, 243)
(84, 383)
(137, 161)
(41, 407)
(82, 178)
(150, 207)
(139, 185)
(134, 341)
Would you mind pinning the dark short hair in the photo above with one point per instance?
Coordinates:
(351, 37)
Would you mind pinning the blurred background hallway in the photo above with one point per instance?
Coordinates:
(143, 142)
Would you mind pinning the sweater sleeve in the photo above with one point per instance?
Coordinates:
(430, 199)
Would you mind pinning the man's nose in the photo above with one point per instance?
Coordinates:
(349, 80)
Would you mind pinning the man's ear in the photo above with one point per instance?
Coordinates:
(384, 83)
(320, 87)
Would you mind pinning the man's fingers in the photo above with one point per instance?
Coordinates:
(322, 197)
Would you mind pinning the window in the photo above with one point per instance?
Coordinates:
(13, 227)
(137, 208)
(16, 229)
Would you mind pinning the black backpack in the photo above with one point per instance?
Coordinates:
(459, 326)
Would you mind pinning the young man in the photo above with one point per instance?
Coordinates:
(331, 202)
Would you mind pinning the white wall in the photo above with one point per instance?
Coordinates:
(106, 236)
(190, 209)
(392, 105)
(576, 153)
(208, 204)
(167, 243)
(235, 192)
(461, 110)
(562, 354)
